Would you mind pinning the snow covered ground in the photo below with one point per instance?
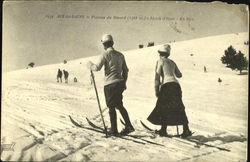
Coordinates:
(35, 108)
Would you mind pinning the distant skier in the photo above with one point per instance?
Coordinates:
(219, 80)
(66, 75)
(75, 79)
(205, 69)
(59, 76)
(116, 74)
(169, 109)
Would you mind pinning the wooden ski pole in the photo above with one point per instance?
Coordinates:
(99, 105)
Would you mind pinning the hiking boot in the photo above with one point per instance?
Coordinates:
(161, 133)
(127, 130)
(186, 133)
(112, 133)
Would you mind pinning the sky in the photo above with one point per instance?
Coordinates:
(46, 32)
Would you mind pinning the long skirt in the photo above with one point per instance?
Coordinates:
(169, 109)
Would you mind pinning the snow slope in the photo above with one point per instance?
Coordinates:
(35, 108)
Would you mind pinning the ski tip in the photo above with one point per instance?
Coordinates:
(88, 120)
(192, 133)
(142, 123)
(74, 122)
(122, 121)
(145, 126)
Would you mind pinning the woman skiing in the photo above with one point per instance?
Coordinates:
(169, 109)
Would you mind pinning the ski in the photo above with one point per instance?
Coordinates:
(179, 138)
(128, 135)
(101, 131)
(154, 131)
(81, 126)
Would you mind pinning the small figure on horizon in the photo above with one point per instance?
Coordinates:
(205, 69)
(66, 75)
(59, 76)
(75, 79)
(219, 80)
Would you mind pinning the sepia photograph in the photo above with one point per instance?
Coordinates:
(124, 81)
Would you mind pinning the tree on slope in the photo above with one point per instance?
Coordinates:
(234, 60)
(31, 64)
(239, 62)
(229, 55)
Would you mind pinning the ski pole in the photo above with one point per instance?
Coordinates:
(99, 105)
(177, 130)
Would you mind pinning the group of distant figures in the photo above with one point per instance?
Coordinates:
(59, 75)
(219, 79)
(66, 76)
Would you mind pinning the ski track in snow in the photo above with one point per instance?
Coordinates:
(35, 109)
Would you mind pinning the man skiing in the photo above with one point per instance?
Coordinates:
(116, 74)
(66, 75)
(205, 69)
(59, 76)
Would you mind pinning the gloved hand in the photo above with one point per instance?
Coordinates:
(125, 87)
(157, 93)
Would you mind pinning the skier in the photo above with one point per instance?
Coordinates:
(75, 79)
(219, 80)
(66, 75)
(205, 69)
(116, 74)
(59, 76)
(169, 109)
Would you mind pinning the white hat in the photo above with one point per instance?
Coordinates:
(106, 38)
(165, 48)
